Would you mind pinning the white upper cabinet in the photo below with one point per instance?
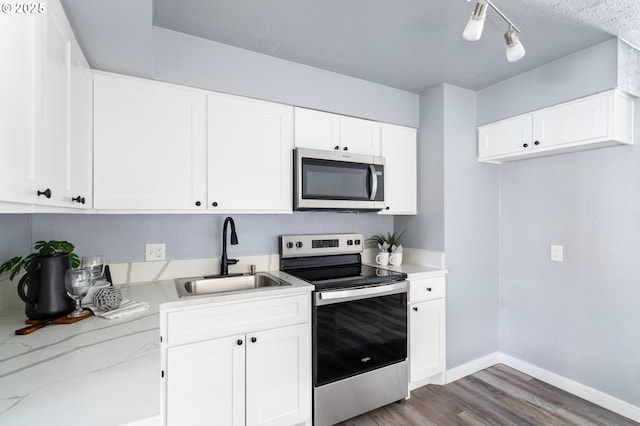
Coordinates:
(39, 138)
(327, 131)
(250, 146)
(19, 44)
(596, 121)
(400, 185)
(149, 145)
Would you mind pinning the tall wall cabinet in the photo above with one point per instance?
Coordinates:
(46, 138)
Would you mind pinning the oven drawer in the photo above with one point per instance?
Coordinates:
(422, 289)
(213, 321)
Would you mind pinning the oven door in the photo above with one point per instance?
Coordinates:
(358, 330)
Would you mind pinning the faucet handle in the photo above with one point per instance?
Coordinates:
(232, 261)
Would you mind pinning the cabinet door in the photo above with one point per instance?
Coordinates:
(572, 122)
(279, 376)
(250, 146)
(81, 131)
(400, 178)
(317, 129)
(359, 136)
(56, 138)
(505, 137)
(20, 77)
(427, 339)
(149, 145)
(206, 383)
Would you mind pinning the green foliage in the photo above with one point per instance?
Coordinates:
(19, 263)
(391, 239)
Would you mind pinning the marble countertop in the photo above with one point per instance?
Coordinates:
(95, 371)
(413, 271)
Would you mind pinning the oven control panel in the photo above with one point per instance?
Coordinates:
(320, 244)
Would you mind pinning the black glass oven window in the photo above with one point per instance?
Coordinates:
(358, 336)
(334, 180)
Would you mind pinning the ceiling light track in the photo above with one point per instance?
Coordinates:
(473, 31)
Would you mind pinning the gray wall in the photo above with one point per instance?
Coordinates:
(192, 61)
(458, 214)
(15, 236)
(122, 238)
(579, 318)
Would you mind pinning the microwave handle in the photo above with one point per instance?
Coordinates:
(374, 182)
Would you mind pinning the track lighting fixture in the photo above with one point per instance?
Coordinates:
(472, 32)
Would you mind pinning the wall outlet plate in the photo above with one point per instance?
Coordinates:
(154, 252)
(557, 253)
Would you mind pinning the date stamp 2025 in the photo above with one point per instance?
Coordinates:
(23, 8)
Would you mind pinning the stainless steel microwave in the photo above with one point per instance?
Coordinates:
(337, 180)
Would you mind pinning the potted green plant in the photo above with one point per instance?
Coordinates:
(19, 263)
(386, 242)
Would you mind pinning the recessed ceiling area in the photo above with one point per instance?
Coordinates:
(410, 45)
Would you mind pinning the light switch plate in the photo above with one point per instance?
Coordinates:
(557, 253)
(154, 252)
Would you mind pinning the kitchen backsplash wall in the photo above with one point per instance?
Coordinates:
(122, 238)
(15, 235)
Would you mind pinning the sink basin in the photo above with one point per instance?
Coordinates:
(223, 283)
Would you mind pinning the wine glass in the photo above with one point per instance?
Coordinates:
(77, 283)
(95, 265)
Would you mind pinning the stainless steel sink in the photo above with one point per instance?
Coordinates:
(223, 283)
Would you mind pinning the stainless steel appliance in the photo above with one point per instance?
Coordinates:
(359, 325)
(338, 180)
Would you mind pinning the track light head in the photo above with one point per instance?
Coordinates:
(514, 50)
(473, 30)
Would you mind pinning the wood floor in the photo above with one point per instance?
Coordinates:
(496, 396)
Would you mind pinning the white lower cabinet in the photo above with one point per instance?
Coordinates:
(260, 376)
(427, 331)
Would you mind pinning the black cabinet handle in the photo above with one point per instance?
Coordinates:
(415, 308)
(198, 203)
(526, 145)
(46, 193)
(214, 204)
(79, 199)
(336, 147)
(253, 340)
(345, 148)
(536, 143)
(428, 288)
(239, 342)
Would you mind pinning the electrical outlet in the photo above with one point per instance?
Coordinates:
(154, 252)
(557, 254)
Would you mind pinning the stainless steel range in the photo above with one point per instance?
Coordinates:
(359, 325)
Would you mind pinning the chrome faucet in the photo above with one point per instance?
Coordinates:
(225, 262)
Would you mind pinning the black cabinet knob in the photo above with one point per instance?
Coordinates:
(428, 288)
(386, 208)
(336, 147)
(198, 203)
(239, 342)
(253, 340)
(46, 193)
(536, 143)
(415, 308)
(214, 204)
(345, 148)
(526, 145)
(79, 199)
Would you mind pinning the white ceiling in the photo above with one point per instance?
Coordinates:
(406, 44)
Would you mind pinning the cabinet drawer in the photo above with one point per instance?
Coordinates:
(213, 321)
(426, 289)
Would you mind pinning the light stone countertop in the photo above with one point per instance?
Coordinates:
(95, 371)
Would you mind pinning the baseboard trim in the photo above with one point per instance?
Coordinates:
(585, 392)
(471, 367)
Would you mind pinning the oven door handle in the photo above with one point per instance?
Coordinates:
(338, 296)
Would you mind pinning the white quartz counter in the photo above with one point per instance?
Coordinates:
(95, 371)
(414, 271)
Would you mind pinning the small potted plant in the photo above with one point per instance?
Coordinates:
(19, 263)
(389, 246)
